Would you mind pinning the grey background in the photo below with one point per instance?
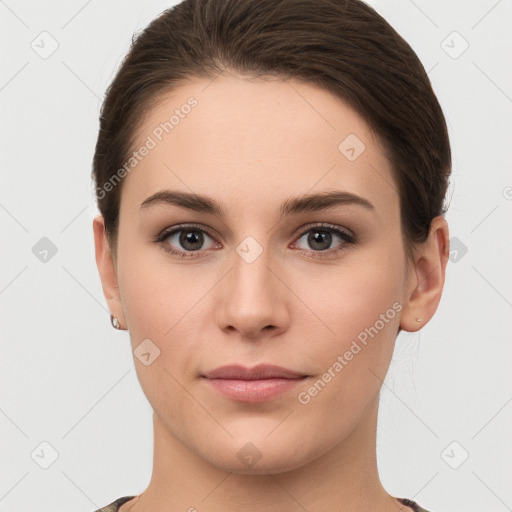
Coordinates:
(67, 378)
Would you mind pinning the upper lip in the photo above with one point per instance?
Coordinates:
(261, 371)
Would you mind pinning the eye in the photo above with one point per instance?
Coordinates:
(188, 241)
(320, 238)
(184, 240)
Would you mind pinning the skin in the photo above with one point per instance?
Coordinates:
(251, 145)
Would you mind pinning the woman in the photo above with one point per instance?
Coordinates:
(271, 178)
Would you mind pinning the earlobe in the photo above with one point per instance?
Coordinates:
(107, 269)
(427, 277)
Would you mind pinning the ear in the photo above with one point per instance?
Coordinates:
(426, 277)
(107, 269)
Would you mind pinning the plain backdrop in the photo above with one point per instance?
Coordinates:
(75, 427)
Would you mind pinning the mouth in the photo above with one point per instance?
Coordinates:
(258, 384)
(261, 371)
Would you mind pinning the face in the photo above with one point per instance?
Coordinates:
(258, 274)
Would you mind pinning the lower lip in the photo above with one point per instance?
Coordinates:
(253, 390)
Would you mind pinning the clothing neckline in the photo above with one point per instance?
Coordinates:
(115, 505)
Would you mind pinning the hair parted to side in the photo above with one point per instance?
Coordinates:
(342, 46)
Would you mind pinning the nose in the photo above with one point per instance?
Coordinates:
(253, 300)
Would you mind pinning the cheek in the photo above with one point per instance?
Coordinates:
(350, 298)
(360, 310)
(156, 293)
(160, 304)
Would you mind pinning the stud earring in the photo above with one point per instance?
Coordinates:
(115, 322)
(418, 319)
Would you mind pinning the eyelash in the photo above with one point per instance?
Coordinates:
(348, 239)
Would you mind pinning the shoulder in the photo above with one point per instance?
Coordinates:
(412, 504)
(114, 506)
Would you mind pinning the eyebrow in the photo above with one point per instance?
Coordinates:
(292, 206)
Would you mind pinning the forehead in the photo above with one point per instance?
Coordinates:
(234, 138)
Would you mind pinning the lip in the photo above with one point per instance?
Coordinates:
(261, 371)
(258, 384)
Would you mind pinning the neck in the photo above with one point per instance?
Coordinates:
(345, 478)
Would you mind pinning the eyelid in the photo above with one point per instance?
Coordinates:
(166, 233)
(319, 225)
(183, 227)
(346, 235)
(298, 233)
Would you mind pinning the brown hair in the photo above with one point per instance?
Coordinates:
(342, 46)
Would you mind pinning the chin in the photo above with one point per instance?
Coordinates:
(261, 456)
(277, 463)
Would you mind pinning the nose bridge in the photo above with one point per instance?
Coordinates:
(252, 299)
(251, 278)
